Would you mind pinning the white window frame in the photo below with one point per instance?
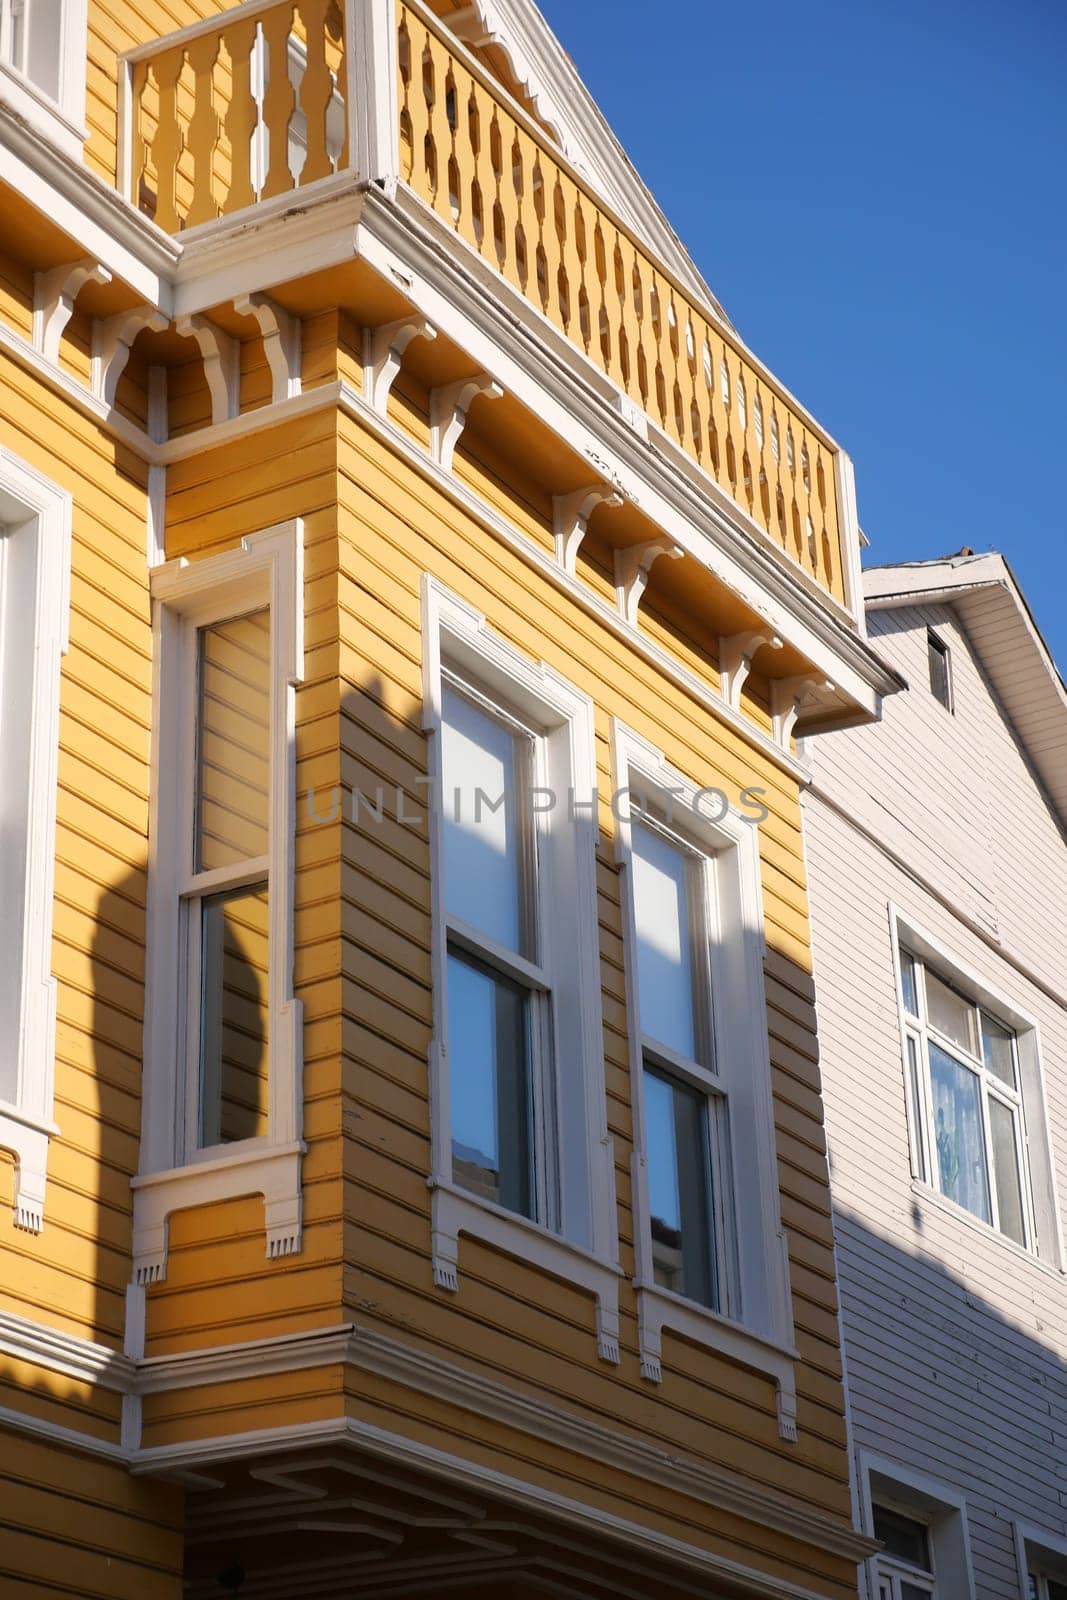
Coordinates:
(584, 1247)
(61, 121)
(1040, 1209)
(944, 649)
(942, 1508)
(1041, 1554)
(757, 1331)
(34, 509)
(890, 1570)
(265, 570)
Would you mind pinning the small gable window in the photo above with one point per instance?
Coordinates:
(940, 660)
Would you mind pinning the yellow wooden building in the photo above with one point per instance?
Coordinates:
(411, 590)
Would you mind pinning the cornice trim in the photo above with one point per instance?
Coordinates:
(371, 1351)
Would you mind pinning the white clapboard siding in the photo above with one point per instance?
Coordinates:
(956, 1342)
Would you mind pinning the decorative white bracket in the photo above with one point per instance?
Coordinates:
(54, 294)
(632, 567)
(449, 405)
(570, 518)
(383, 351)
(789, 697)
(736, 653)
(112, 341)
(453, 1213)
(29, 1146)
(281, 342)
(273, 1173)
(479, 25)
(221, 364)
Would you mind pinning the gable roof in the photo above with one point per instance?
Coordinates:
(549, 79)
(984, 593)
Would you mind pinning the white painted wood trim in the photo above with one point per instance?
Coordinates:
(266, 568)
(373, 107)
(760, 1333)
(26, 1124)
(927, 1494)
(454, 630)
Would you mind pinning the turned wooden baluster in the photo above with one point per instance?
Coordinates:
(202, 136)
(440, 131)
(241, 115)
(316, 90)
(139, 154)
(464, 162)
(523, 160)
(337, 59)
(279, 100)
(167, 145)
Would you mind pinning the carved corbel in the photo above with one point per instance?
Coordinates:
(383, 351)
(449, 405)
(570, 516)
(791, 696)
(112, 340)
(281, 342)
(632, 567)
(221, 364)
(54, 294)
(736, 653)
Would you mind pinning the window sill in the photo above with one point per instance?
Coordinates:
(252, 1168)
(27, 1139)
(28, 103)
(454, 1211)
(659, 1308)
(941, 1202)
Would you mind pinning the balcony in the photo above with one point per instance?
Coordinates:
(272, 99)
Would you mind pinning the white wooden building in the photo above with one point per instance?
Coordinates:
(937, 860)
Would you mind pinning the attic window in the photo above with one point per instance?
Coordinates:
(940, 660)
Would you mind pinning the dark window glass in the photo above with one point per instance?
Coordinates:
(489, 1069)
(905, 1538)
(679, 1186)
(940, 669)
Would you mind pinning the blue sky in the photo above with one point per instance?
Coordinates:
(877, 192)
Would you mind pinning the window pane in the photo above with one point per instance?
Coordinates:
(664, 941)
(233, 754)
(913, 1591)
(481, 804)
(1056, 1591)
(488, 1054)
(42, 54)
(908, 984)
(940, 680)
(1006, 1169)
(997, 1050)
(905, 1538)
(679, 1188)
(234, 1083)
(958, 1133)
(918, 1110)
(950, 1013)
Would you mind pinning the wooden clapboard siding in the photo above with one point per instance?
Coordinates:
(73, 1275)
(75, 1526)
(956, 1342)
(393, 526)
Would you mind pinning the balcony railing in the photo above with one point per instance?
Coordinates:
(259, 102)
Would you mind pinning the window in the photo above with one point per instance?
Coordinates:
(940, 662)
(685, 1109)
(965, 1097)
(711, 1260)
(222, 1094)
(1045, 1588)
(43, 46)
(519, 1143)
(905, 1568)
(499, 994)
(35, 522)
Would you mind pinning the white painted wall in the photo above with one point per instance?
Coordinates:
(956, 1341)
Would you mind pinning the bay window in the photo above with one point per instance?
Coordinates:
(222, 1092)
(710, 1251)
(520, 1151)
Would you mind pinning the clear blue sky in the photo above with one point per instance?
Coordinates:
(877, 192)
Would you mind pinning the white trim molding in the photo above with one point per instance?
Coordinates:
(755, 1327)
(35, 547)
(1039, 1550)
(582, 1243)
(942, 1507)
(266, 569)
